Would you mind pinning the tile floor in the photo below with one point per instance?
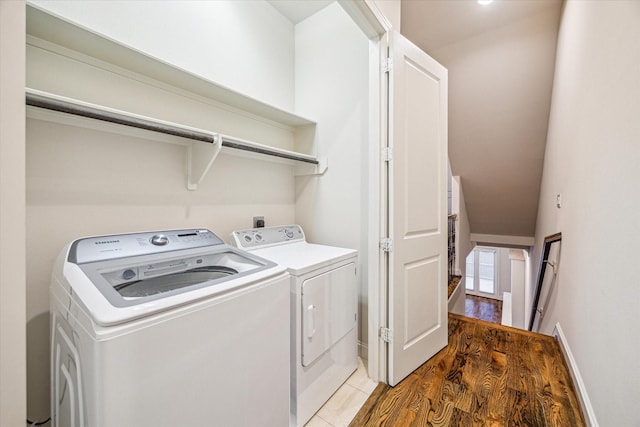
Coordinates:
(346, 402)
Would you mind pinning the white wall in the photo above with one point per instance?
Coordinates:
(331, 87)
(518, 275)
(12, 210)
(592, 159)
(83, 181)
(244, 45)
(504, 270)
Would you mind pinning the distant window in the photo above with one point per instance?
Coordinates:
(481, 272)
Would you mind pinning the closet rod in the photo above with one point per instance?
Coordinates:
(240, 145)
(42, 101)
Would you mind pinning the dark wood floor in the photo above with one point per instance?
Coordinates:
(488, 375)
(453, 284)
(483, 308)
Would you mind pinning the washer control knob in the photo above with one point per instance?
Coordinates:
(159, 240)
(248, 238)
(288, 233)
(128, 274)
(258, 237)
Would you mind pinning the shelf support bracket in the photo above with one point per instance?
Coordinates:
(313, 170)
(200, 158)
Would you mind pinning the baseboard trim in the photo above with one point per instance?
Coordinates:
(363, 350)
(585, 403)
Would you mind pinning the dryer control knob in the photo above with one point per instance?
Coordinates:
(159, 240)
(288, 234)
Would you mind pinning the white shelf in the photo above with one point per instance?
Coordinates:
(203, 146)
(54, 29)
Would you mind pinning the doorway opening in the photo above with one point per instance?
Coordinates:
(483, 282)
(482, 276)
(497, 284)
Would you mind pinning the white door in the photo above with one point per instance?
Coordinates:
(418, 215)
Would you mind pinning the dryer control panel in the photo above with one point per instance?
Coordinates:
(254, 238)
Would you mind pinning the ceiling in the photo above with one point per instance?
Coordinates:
(501, 60)
(297, 10)
(434, 24)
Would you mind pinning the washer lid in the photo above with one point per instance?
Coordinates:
(127, 282)
(302, 257)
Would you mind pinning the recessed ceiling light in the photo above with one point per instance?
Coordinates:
(485, 2)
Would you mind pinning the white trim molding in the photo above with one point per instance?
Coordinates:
(499, 240)
(585, 403)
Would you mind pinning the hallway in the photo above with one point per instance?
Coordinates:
(487, 375)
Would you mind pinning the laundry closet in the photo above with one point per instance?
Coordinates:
(235, 69)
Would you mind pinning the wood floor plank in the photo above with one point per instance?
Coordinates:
(562, 388)
(488, 375)
(482, 308)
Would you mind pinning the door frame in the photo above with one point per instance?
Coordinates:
(377, 28)
(367, 15)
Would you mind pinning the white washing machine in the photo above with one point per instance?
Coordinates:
(171, 328)
(323, 312)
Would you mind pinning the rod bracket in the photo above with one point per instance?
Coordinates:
(311, 169)
(200, 158)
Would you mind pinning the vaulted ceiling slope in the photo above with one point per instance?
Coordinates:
(501, 61)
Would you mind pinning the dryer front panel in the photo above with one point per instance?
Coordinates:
(328, 310)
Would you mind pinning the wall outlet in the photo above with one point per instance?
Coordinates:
(258, 221)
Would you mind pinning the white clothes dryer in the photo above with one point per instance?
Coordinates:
(171, 328)
(323, 312)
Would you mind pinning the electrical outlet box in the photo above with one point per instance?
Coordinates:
(258, 221)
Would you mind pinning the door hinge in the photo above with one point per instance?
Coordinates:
(386, 335)
(386, 244)
(387, 65)
(387, 154)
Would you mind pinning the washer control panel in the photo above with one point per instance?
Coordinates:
(267, 236)
(101, 248)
